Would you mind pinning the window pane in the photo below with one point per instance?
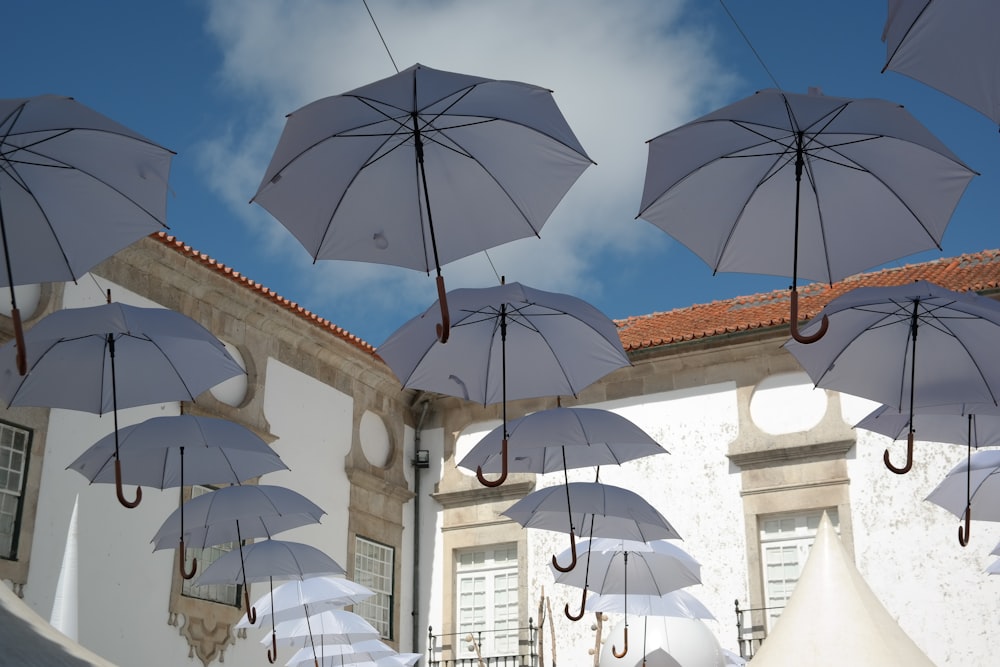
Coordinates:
(374, 565)
(13, 464)
(228, 594)
(490, 614)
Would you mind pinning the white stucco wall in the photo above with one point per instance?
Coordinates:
(695, 426)
(123, 586)
(693, 486)
(907, 549)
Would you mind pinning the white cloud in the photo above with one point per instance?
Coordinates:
(621, 72)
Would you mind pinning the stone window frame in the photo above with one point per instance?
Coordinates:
(22, 494)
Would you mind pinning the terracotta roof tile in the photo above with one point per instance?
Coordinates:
(235, 276)
(978, 271)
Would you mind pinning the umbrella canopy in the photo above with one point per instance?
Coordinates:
(420, 169)
(180, 450)
(560, 439)
(359, 654)
(102, 358)
(806, 186)
(267, 560)
(982, 472)
(97, 358)
(616, 512)
(601, 509)
(623, 567)
(331, 626)
(75, 188)
(234, 514)
(949, 46)
(678, 603)
(508, 342)
(558, 345)
(297, 599)
(875, 352)
(157, 452)
(961, 424)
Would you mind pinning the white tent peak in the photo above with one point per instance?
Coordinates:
(834, 617)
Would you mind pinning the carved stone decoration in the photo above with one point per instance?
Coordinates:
(207, 640)
(207, 626)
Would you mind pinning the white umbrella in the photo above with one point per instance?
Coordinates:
(605, 510)
(75, 188)
(949, 46)
(330, 626)
(974, 426)
(234, 514)
(157, 452)
(420, 169)
(875, 352)
(623, 567)
(268, 560)
(562, 439)
(296, 599)
(805, 186)
(507, 342)
(973, 484)
(102, 358)
(359, 654)
(678, 603)
(958, 424)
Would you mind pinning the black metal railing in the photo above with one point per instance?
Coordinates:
(451, 644)
(749, 636)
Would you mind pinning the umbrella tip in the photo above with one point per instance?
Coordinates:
(815, 90)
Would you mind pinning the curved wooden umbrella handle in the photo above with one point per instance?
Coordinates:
(583, 604)
(443, 329)
(963, 535)
(194, 562)
(909, 457)
(22, 355)
(503, 470)
(572, 551)
(615, 652)
(793, 325)
(274, 645)
(118, 488)
(251, 611)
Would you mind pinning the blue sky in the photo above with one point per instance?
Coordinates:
(213, 79)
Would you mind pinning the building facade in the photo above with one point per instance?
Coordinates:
(756, 455)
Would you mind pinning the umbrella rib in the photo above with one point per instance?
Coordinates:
(939, 324)
(59, 164)
(902, 40)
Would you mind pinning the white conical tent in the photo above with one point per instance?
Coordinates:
(834, 618)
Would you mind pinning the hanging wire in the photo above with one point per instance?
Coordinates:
(489, 259)
(374, 23)
(747, 40)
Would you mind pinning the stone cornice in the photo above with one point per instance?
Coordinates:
(764, 458)
(367, 480)
(466, 497)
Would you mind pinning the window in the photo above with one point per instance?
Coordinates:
(785, 541)
(15, 445)
(228, 594)
(487, 589)
(373, 567)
